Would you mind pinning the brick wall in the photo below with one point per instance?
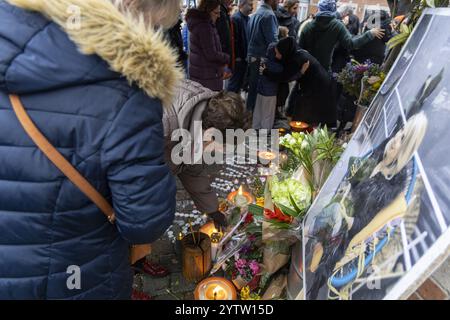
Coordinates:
(437, 287)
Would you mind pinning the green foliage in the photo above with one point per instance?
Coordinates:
(402, 37)
(256, 210)
(317, 149)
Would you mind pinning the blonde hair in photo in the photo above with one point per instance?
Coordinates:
(401, 148)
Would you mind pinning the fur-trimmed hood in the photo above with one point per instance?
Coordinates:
(128, 46)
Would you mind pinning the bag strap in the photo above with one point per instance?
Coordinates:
(58, 159)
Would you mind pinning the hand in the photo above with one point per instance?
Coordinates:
(305, 67)
(227, 75)
(377, 33)
(262, 67)
(219, 219)
(346, 20)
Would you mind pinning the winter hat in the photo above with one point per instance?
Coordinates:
(287, 47)
(327, 5)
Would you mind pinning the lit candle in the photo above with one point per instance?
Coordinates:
(298, 126)
(240, 199)
(267, 155)
(218, 293)
(209, 229)
(215, 288)
(178, 244)
(215, 239)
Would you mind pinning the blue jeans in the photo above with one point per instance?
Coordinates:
(253, 79)
(236, 82)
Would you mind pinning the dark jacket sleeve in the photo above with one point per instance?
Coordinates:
(197, 184)
(304, 35)
(142, 187)
(208, 47)
(349, 42)
(240, 42)
(223, 28)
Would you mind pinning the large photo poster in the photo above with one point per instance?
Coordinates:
(382, 218)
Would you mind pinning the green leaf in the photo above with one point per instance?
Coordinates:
(404, 28)
(253, 229)
(398, 40)
(430, 3)
(286, 210)
(256, 210)
(294, 204)
(279, 224)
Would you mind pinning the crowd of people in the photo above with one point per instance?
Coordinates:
(108, 90)
(283, 67)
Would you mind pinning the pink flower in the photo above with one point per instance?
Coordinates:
(254, 266)
(240, 265)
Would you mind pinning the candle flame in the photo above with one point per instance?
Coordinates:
(240, 191)
(217, 290)
(298, 123)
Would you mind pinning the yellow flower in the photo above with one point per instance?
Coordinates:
(260, 202)
(245, 293)
(376, 85)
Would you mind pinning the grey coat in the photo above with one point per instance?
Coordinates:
(190, 101)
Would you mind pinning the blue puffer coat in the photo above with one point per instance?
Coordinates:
(109, 130)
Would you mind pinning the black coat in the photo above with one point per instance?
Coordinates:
(288, 21)
(375, 50)
(176, 41)
(223, 26)
(341, 56)
(313, 99)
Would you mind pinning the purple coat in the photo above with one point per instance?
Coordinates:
(206, 59)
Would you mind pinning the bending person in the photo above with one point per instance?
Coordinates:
(212, 110)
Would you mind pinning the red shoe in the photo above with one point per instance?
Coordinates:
(138, 295)
(155, 270)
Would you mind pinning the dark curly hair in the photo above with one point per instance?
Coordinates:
(208, 5)
(226, 110)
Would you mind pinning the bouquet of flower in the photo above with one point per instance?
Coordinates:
(244, 267)
(317, 152)
(294, 141)
(290, 196)
(247, 269)
(362, 81)
(300, 147)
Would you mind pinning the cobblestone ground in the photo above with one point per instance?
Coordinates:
(174, 286)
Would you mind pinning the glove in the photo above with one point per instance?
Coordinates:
(219, 219)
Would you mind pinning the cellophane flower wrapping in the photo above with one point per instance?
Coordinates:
(361, 80)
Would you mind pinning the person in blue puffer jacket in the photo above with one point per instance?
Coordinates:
(95, 85)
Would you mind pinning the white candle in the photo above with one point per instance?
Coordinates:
(215, 239)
